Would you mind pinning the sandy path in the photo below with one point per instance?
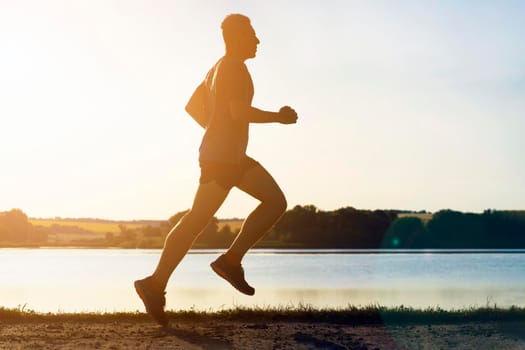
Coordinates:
(214, 334)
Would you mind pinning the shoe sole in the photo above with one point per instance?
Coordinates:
(221, 273)
(139, 291)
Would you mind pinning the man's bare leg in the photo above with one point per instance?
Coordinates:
(258, 183)
(208, 199)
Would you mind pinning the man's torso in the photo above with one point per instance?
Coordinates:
(226, 139)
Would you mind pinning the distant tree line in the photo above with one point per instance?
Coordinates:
(308, 227)
(450, 229)
(350, 228)
(15, 229)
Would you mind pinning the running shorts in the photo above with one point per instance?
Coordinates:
(227, 175)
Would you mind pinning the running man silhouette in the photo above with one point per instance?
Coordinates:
(222, 104)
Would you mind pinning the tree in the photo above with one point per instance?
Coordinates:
(15, 227)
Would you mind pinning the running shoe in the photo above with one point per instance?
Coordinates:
(153, 298)
(233, 274)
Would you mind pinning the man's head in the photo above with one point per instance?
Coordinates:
(239, 36)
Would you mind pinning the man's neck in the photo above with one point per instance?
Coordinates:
(235, 55)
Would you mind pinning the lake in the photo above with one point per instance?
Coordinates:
(76, 280)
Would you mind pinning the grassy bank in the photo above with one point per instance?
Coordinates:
(303, 313)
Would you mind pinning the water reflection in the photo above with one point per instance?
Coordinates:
(70, 280)
(340, 298)
(71, 299)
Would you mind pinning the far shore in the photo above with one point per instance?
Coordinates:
(294, 250)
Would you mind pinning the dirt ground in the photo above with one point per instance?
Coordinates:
(217, 334)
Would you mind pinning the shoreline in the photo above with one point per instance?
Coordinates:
(372, 314)
(369, 328)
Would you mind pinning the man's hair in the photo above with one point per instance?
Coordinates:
(232, 25)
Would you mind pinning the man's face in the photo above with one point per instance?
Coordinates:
(248, 42)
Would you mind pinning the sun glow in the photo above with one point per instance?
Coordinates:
(405, 113)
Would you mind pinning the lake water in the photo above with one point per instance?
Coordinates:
(73, 280)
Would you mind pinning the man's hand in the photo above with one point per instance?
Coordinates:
(287, 115)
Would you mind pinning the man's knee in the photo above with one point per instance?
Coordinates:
(278, 202)
(196, 220)
(190, 225)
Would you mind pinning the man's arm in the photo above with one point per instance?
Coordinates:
(240, 109)
(196, 106)
(236, 79)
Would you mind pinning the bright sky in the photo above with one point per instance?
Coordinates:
(403, 104)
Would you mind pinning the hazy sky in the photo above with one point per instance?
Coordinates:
(402, 104)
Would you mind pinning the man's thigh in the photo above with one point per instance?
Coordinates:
(208, 199)
(260, 184)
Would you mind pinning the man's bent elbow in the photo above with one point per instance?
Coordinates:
(189, 110)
